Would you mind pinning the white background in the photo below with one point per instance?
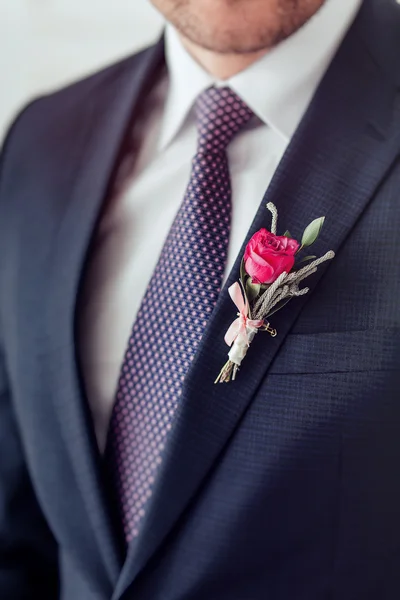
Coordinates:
(45, 44)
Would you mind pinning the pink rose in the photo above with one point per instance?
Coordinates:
(267, 256)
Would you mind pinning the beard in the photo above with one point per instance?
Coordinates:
(237, 26)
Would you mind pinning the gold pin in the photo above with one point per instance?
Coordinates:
(272, 332)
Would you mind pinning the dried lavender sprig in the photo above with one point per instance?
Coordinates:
(315, 263)
(268, 294)
(272, 209)
(280, 290)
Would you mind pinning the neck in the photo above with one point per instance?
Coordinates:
(221, 66)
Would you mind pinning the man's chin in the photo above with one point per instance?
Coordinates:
(234, 41)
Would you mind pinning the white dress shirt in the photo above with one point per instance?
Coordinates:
(278, 88)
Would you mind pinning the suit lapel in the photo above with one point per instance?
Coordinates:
(343, 148)
(107, 122)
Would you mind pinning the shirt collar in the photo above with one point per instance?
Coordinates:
(187, 79)
(278, 87)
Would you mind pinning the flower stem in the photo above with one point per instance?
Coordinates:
(226, 373)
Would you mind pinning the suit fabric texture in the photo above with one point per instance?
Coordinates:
(282, 485)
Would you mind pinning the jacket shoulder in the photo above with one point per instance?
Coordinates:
(50, 115)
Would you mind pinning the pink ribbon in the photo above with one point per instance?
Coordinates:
(239, 326)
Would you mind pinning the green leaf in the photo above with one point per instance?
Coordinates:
(307, 258)
(252, 289)
(312, 232)
(287, 234)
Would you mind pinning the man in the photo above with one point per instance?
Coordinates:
(125, 472)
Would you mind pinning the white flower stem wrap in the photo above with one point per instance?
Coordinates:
(241, 345)
(242, 331)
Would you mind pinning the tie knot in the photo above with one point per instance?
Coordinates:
(220, 115)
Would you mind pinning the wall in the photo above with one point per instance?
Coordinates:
(47, 43)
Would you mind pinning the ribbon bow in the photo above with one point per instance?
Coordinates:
(240, 325)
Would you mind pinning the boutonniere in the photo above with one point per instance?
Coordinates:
(270, 274)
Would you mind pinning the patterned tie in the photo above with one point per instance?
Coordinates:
(174, 312)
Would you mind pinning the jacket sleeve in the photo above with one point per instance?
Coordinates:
(28, 551)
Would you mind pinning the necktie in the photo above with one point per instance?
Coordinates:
(174, 312)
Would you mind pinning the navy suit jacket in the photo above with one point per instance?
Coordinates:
(282, 486)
